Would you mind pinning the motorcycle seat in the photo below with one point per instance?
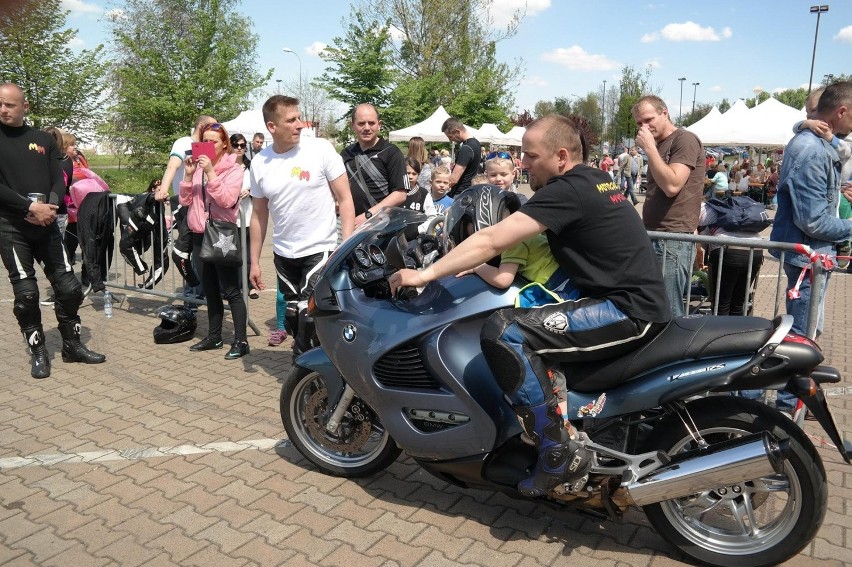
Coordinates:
(684, 338)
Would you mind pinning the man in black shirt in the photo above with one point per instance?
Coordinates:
(467, 156)
(30, 172)
(376, 168)
(599, 241)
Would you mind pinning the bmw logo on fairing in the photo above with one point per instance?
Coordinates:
(349, 333)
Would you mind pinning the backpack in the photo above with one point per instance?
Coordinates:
(739, 213)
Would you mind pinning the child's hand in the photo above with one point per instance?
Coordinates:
(820, 128)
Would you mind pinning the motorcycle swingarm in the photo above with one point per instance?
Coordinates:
(634, 467)
(814, 399)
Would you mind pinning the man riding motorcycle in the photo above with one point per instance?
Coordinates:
(597, 238)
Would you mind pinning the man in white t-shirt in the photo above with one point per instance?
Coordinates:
(291, 180)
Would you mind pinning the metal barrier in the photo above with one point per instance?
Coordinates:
(751, 244)
(169, 286)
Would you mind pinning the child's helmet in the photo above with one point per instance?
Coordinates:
(178, 324)
(477, 207)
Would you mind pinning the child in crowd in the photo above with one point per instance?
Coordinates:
(417, 198)
(501, 173)
(440, 187)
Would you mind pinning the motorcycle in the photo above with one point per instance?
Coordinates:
(724, 479)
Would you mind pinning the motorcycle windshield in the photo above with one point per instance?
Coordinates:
(390, 220)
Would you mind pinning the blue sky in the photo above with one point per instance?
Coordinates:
(570, 47)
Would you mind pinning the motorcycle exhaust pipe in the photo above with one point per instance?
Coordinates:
(717, 467)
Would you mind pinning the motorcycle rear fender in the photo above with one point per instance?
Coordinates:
(316, 360)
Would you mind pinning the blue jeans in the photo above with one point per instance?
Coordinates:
(675, 259)
(798, 308)
(630, 182)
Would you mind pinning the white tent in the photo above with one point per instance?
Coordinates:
(429, 129)
(514, 135)
(247, 123)
(489, 133)
(769, 124)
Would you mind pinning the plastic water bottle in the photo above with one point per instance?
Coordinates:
(107, 304)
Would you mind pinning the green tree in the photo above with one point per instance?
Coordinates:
(793, 97)
(359, 68)
(634, 85)
(446, 54)
(165, 75)
(63, 89)
(725, 105)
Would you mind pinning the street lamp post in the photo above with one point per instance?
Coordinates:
(815, 10)
(279, 85)
(288, 50)
(603, 116)
(680, 106)
(694, 91)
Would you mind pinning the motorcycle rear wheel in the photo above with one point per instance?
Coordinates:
(360, 446)
(760, 522)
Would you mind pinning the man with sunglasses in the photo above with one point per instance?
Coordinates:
(467, 156)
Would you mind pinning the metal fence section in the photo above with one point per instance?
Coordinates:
(725, 244)
(170, 286)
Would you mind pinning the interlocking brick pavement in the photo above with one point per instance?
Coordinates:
(165, 457)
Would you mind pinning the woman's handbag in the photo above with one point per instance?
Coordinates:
(221, 244)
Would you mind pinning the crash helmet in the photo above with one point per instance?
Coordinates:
(477, 207)
(177, 325)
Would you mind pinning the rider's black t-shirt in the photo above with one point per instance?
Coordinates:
(597, 237)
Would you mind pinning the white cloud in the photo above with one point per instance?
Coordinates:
(687, 31)
(576, 59)
(503, 10)
(715, 89)
(535, 81)
(79, 7)
(844, 35)
(779, 89)
(315, 48)
(76, 43)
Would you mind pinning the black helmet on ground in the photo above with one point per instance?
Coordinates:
(178, 324)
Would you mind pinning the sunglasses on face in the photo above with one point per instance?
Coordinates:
(240, 145)
(504, 155)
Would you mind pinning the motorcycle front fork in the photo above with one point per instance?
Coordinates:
(340, 409)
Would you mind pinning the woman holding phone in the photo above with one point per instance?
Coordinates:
(216, 183)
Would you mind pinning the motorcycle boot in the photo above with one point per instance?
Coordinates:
(561, 459)
(73, 350)
(39, 360)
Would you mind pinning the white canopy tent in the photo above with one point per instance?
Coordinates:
(769, 124)
(488, 133)
(429, 129)
(514, 135)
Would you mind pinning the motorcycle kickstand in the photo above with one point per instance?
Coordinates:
(342, 405)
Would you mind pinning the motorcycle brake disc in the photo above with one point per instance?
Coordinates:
(352, 434)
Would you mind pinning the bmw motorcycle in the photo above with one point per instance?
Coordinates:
(724, 479)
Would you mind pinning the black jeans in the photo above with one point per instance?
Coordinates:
(218, 282)
(735, 283)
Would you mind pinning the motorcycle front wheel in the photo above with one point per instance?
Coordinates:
(765, 521)
(360, 446)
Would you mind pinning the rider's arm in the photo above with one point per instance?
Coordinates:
(473, 251)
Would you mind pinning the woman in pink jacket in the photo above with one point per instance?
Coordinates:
(222, 179)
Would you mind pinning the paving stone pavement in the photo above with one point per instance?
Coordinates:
(163, 457)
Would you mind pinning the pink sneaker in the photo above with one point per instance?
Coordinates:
(277, 337)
